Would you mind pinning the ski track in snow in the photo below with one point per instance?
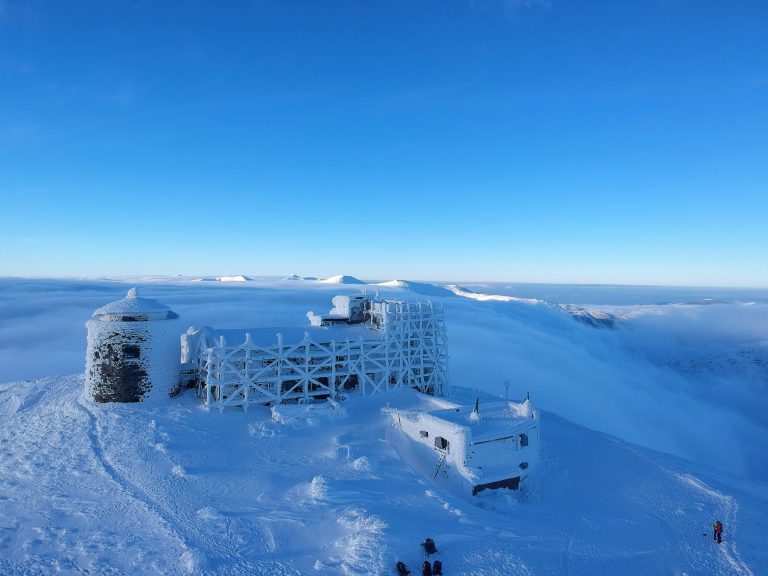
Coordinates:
(728, 509)
(151, 488)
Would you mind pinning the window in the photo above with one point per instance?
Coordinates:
(423, 433)
(131, 351)
(523, 465)
(441, 443)
(523, 440)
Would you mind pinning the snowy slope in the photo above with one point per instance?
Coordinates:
(176, 489)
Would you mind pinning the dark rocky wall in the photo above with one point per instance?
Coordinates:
(117, 374)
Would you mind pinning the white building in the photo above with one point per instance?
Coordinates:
(493, 445)
(364, 343)
(133, 351)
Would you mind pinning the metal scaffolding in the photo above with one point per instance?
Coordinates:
(405, 345)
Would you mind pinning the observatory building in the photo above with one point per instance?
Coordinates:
(133, 351)
(136, 353)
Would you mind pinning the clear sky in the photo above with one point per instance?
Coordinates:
(557, 141)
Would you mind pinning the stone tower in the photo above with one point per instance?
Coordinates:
(133, 351)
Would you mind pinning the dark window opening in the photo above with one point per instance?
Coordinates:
(131, 351)
(523, 465)
(441, 443)
(523, 440)
(424, 433)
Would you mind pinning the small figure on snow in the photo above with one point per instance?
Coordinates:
(718, 531)
(429, 546)
(437, 568)
(426, 568)
(402, 569)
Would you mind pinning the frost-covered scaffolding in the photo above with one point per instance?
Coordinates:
(367, 344)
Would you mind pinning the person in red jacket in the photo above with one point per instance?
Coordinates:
(718, 534)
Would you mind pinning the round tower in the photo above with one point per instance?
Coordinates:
(133, 351)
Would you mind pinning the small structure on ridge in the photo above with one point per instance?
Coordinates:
(133, 351)
(474, 447)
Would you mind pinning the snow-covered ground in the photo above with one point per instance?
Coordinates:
(176, 489)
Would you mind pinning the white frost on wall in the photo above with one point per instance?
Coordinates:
(132, 351)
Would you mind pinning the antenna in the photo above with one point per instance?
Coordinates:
(506, 389)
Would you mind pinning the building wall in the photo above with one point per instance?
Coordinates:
(131, 361)
(453, 466)
(502, 458)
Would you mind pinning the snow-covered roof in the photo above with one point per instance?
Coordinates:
(493, 420)
(132, 305)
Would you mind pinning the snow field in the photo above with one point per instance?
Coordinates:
(85, 487)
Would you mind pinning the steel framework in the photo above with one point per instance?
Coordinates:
(406, 347)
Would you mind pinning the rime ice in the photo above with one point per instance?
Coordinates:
(133, 351)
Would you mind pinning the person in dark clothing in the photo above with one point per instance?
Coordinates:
(426, 568)
(402, 569)
(718, 531)
(429, 546)
(437, 568)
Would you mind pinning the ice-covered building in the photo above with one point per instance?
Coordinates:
(493, 445)
(363, 343)
(133, 351)
(136, 353)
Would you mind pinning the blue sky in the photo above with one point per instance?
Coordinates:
(575, 142)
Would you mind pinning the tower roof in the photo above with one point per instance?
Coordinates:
(132, 307)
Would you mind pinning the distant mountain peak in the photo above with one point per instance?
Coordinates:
(342, 279)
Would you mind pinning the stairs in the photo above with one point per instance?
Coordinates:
(439, 463)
